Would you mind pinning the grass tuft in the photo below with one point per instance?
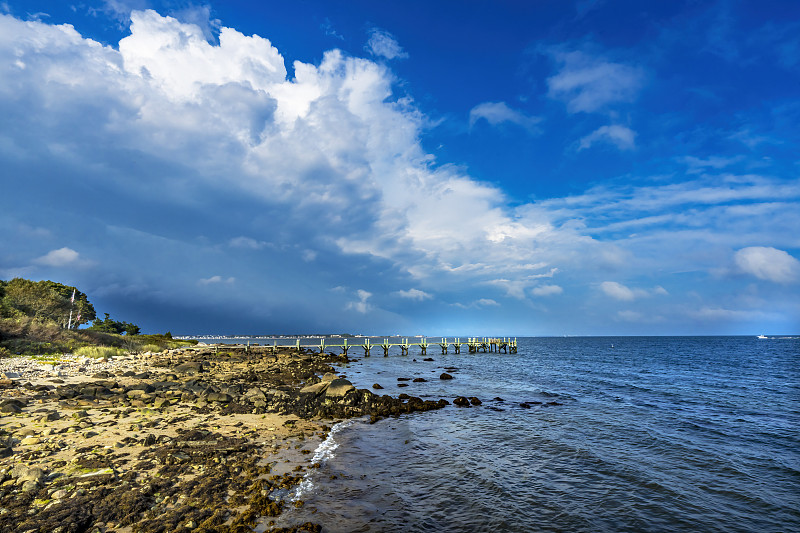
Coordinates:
(99, 352)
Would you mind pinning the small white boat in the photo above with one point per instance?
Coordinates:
(762, 337)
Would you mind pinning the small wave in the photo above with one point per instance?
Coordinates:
(323, 453)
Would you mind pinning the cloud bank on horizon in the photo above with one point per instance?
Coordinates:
(186, 175)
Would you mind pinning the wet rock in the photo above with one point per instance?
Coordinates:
(461, 401)
(376, 386)
(445, 375)
(428, 359)
(402, 384)
(420, 380)
(329, 376)
(474, 401)
(403, 379)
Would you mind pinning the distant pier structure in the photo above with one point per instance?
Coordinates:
(473, 344)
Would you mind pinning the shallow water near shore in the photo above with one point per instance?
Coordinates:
(651, 434)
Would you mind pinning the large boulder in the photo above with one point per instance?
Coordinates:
(338, 388)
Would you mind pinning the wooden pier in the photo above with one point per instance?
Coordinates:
(473, 344)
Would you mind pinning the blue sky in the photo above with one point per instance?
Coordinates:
(437, 168)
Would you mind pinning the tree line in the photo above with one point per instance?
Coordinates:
(54, 302)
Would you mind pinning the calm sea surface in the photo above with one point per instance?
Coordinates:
(652, 434)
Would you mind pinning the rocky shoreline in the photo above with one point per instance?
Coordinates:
(186, 440)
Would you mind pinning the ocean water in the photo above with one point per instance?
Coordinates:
(648, 434)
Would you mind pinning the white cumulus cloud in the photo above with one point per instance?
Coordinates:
(361, 305)
(619, 291)
(547, 290)
(768, 263)
(224, 117)
(622, 137)
(176, 56)
(59, 258)
(414, 294)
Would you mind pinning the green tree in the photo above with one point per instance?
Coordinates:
(6, 310)
(45, 300)
(36, 299)
(109, 325)
(81, 307)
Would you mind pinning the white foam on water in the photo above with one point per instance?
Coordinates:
(323, 453)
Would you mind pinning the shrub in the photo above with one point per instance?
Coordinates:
(4, 352)
(98, 352)
(151, 348)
